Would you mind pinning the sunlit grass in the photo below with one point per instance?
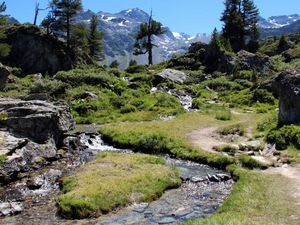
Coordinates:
(114, 180)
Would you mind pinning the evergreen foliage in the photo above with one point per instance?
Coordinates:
(79, 38)
(114, 64)
(144, 43)
(240, 28)
(64, 12)
(4, 48)
(95, 40)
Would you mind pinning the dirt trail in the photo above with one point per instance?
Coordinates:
(205, 138)
(293, 174)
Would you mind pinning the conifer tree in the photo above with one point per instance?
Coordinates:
(250, 15)
(95, 40)
(64, 12)
(79, 38)
(233, 29)
(240, 28)
(4, 48)
(144, 42)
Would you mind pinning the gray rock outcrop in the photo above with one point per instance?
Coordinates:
(288, 85)
(30, 133)
(171, 75)
(37, 120)
(250, 61)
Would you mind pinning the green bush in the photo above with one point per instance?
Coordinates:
(128, 108)
(3, 117)
(2, 159)
(224, 115)
(285, 136)
(263, 96)
(51, 87)
(222, 84)
(225, 148)
(238, 129)
(81, 76)
(136, 69)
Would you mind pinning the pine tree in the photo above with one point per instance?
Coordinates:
(114, 64)
(4, 48)
(250, 15)
(144, 43)
(240, 28)
(95, 40)
(64, 12)
(79, 38)
(233, 29)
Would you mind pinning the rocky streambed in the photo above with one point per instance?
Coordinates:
(39, 150)
(31, 200)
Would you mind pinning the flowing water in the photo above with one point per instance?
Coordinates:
(202, 192)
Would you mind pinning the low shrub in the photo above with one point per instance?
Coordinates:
(51, 87)
(224, 115)
(250, 163)
(225, 148)
(285, 136)
(136, 69)
(2, 159)
(238, 129)
(128, 108)
(222, 84)
(263, 96)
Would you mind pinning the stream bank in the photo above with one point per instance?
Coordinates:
(32, 198)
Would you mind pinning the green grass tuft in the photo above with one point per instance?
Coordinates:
(114, 180)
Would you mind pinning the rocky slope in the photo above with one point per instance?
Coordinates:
(278, 21)
(120, 28)
(279, 25)
(35, 52)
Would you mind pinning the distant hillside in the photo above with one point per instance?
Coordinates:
(278, 21)
(279, 25)
(294, 27)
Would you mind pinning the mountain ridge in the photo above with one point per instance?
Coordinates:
(120, 28)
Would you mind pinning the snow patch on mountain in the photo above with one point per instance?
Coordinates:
(278, 21)
(120, 29)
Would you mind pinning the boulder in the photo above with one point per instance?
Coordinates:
(37, 120)
(171, 75)
(251, 146)
(4, 73)
(10, 208)
(250, 61)
(288, 85)
(26, 157)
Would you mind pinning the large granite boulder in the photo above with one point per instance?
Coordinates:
(288, 85)
(250, 61)
(36, 120)
(30, 134)
(171, 75)
(4, 73)
(23, 155)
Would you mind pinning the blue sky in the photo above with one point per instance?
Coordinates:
(189, 16)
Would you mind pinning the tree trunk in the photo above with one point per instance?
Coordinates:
(68, 31)
(150, 57)
(36, 13)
